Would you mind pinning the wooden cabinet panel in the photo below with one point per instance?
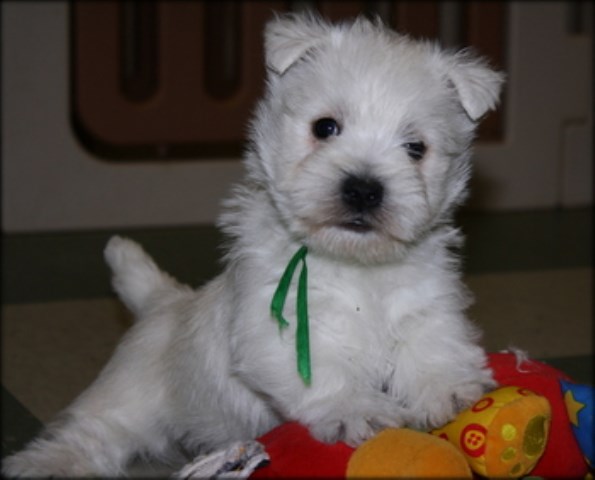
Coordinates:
(179, 79)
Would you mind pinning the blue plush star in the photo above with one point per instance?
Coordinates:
(579, 400)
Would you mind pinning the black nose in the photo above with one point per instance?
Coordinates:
(362, 194)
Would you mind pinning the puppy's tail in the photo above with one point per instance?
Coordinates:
(136, 277)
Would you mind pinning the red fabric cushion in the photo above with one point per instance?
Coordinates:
(294, 453)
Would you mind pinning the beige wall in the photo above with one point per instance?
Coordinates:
(49, 182)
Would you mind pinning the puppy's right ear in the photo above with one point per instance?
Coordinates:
(477, 84)
(289, 37)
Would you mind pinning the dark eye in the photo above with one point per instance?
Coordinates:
(325, 127)
(415, 150)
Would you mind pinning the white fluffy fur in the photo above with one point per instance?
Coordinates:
(390, 342)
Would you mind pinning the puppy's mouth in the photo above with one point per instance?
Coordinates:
(357, 225)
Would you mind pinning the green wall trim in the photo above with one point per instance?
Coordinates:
(69, 265)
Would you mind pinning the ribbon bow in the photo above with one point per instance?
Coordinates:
(278, 303)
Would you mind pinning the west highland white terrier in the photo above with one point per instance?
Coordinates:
(341, 304)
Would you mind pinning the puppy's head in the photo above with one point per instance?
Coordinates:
(362, 138)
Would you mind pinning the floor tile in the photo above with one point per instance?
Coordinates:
(548, 313)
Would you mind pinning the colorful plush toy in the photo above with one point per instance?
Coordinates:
(503, 434)
(510, 436)
(562, 456)
(405, 453)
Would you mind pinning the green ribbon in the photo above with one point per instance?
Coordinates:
(278, 303)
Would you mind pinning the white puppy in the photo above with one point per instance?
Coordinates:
(360, 152)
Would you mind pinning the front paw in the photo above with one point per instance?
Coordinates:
(466, 395)
(439, 406)
(352, 432)
(353, 429)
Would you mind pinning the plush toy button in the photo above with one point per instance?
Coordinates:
(402, 452)
(503, 434)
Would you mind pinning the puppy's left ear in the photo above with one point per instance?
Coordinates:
(477, 85)
(288, 37)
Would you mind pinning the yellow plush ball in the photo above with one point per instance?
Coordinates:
(406, 453)
(503, 434)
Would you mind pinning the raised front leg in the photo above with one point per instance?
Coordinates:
(439, 371)
(352, 416)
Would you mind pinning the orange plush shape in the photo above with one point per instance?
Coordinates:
(503, 434)
(402, 452)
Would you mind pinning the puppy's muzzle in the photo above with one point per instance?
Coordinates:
(362, 196)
